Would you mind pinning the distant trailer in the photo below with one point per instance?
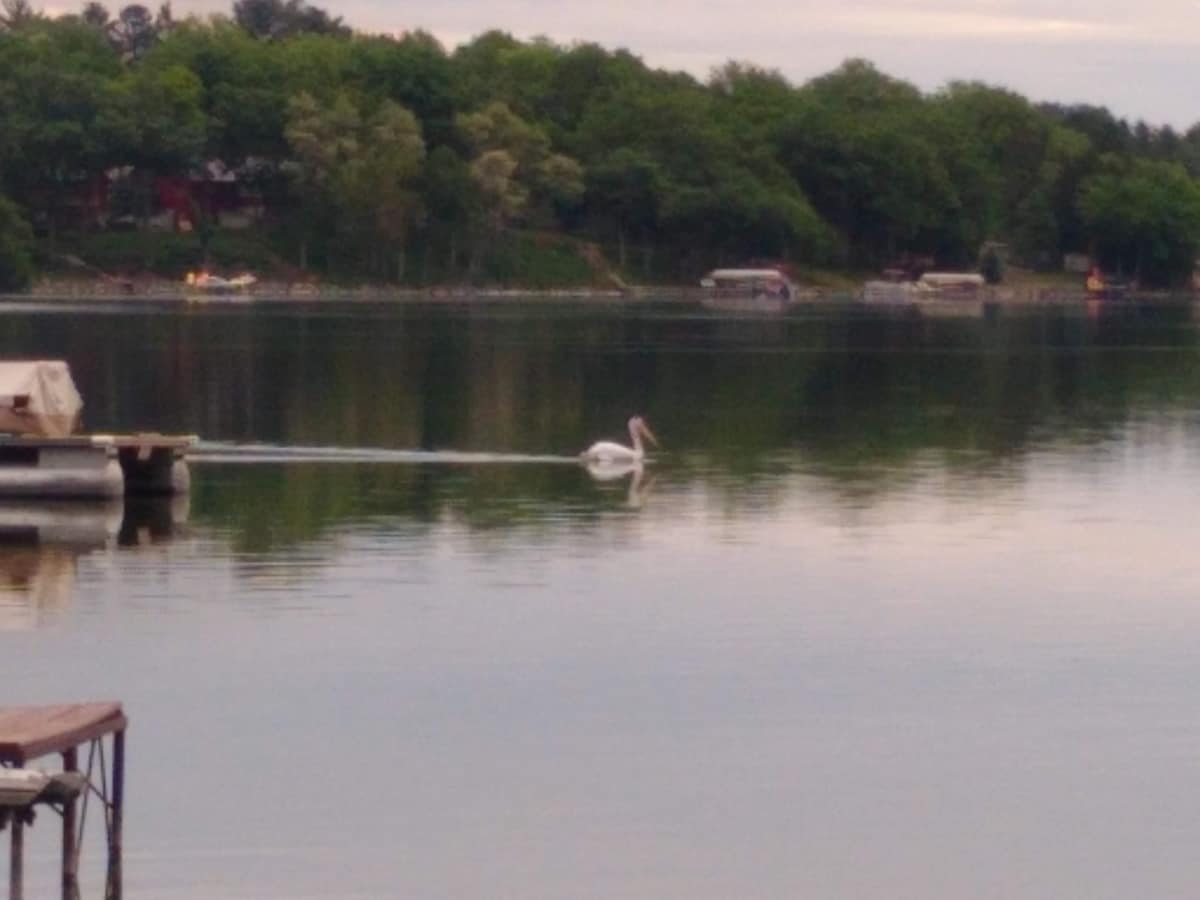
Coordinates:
(94, 466)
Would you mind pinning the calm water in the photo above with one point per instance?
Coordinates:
(906, 608)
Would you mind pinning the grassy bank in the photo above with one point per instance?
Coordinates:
(148, 261)
(517, 260)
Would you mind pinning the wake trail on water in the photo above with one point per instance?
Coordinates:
(219, 452)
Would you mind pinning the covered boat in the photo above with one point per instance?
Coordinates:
(38, 397)
(748, 290)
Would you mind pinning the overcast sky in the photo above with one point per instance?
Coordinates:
(1138, 59)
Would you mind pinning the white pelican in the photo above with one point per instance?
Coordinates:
(608, 452)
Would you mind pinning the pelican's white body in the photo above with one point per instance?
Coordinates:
(611, 452)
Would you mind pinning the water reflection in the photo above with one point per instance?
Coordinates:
(840, 381)
(903, 601)
(631, 473)
(42, 543)
(153, 520)
(36, 585)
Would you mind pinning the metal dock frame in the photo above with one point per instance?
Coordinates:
(31, 732)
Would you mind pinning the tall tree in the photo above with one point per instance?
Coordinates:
(278, 19)
(16, 14)
(324, 140)
(1144, 218)
(96, 15)
(413, 71)
(133, 32)
(516, 168)
(376, 188)
(624, 188)
(450, 195)
(16, 247)
(164, 19)
(61, 113)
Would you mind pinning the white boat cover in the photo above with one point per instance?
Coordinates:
(38, 397)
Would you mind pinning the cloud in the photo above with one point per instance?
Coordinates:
(1108, 52)
(942, 25)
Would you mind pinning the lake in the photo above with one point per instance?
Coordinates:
(905, 606)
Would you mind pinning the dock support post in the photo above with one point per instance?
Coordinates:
(70, 850)
(113, 890)
(16, 862)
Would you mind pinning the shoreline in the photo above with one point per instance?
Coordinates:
(156, 291)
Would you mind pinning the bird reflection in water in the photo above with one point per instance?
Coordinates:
(639, 482)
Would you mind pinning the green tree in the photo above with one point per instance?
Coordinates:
(478, 65)
(714, 196)
(1144, 218)
(860, 145)
(96, 15)
(16, 247)
(517, 171)
(377, 186)
(279, 19)
(1105, 132)
(451, 197)
(991, 264)
(757, 103)
(244, 89)
(171, 127)
(158, 126)
(133, 32)
(16, 14)
(324, 140)
(413, 71)
(60, 113)
(625, 188)
(997, 143)
(1046, 222)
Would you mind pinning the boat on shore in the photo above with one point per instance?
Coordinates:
(934, 293)
(1100, 288)
(202, 286)
(748, 290)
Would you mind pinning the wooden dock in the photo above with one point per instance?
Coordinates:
(29, 733)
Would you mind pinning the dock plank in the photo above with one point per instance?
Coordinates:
(27, 732)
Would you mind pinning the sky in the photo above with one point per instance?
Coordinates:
(1134, 58)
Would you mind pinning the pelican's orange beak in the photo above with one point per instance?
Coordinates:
(647, 433)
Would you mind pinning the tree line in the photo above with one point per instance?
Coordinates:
(392, 158)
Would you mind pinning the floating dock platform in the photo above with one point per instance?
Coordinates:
(94, 466)
(42, 453)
